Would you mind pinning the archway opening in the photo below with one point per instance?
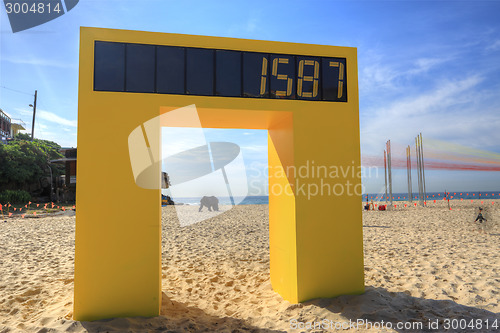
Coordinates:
(217, 261)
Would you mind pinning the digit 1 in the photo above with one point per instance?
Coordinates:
(263, 78)
(288, 91)
(341, 77)
(302, 77)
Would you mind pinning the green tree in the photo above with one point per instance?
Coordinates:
(24, 162)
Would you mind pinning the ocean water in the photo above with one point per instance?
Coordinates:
(452, 195)
(249, 200)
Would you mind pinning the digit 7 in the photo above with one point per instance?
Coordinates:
(340, 85)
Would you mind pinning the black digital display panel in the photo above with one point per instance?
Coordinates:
(140, 68)
(334, 68)
(109, 66)
(127, 67)
(200, 72)
(255, 75)
(170, 64)
(227, 73)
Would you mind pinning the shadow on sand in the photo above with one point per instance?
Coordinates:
(174, 317)
(378, 304)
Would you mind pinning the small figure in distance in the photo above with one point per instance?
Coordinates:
(166, 200)
(480, 218)
(368, 205)
(209, 202)
(169, 200)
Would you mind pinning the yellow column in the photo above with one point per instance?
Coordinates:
(118, 234)
(315, 227)
(329, 238)
(282, 228)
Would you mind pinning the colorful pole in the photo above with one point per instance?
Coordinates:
(385, 173)
(389, 170)
(410, 189)
(423, 168)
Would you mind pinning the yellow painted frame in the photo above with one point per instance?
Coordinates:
(316, 243)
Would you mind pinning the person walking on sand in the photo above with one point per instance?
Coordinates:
(480, 218)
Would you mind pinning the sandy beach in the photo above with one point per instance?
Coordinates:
(421, 264)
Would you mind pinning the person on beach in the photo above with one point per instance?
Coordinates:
(481, 218)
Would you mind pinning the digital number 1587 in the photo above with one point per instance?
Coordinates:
(301, 77)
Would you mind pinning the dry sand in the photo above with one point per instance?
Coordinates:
(420, 264)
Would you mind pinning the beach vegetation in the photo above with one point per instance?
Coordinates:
(23, 163)
(14, 196)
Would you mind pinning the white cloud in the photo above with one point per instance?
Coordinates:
(175, 140)
(448, 94)
(378, 75)
(450, 112)
(47, 116)
(256, 148)
(39, 62)
(24, 111)
(63, 139)
(494, 46)
(54, 118)
(46, 128)
(423, 65)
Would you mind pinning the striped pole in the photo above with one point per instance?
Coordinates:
(419, 174)
(423, 168)
(408, 157)
(385, 172)
(389, 169)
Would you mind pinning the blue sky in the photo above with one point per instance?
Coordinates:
(424, 66)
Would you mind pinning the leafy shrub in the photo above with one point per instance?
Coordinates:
(23, 162)
(14, 196)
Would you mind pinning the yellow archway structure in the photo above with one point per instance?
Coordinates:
(316, 244)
